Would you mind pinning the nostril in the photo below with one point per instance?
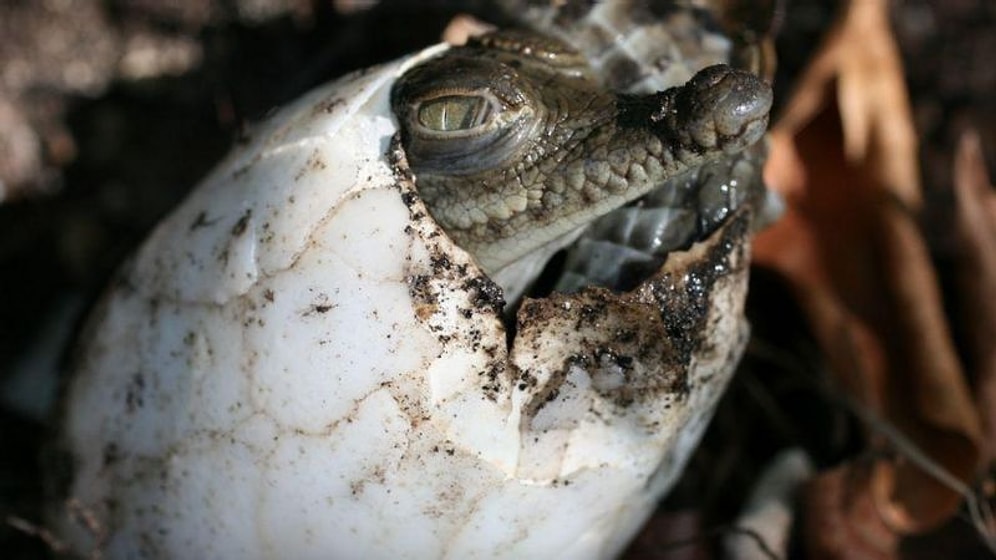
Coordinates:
(711, 76)
(719, 108)
(740, 99)
(751, 99)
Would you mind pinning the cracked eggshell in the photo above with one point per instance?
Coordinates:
(299, 363)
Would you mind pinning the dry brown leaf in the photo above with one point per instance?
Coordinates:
(976, 264)
(860, 63)
(841, 518)
(462, 27)
(844, 156)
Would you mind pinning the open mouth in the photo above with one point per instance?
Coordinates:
(627, 246)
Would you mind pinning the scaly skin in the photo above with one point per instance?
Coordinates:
(567, 150)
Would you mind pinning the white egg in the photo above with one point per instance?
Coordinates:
(300, 363)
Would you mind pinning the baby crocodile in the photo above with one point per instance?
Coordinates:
(516, 147)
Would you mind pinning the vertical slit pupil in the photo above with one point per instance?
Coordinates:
(455, 112)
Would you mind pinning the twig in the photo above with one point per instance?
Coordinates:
(979, 510)
(85, 516)
(37, 531)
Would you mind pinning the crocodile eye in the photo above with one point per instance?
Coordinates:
(464, 115)
(455, 113)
